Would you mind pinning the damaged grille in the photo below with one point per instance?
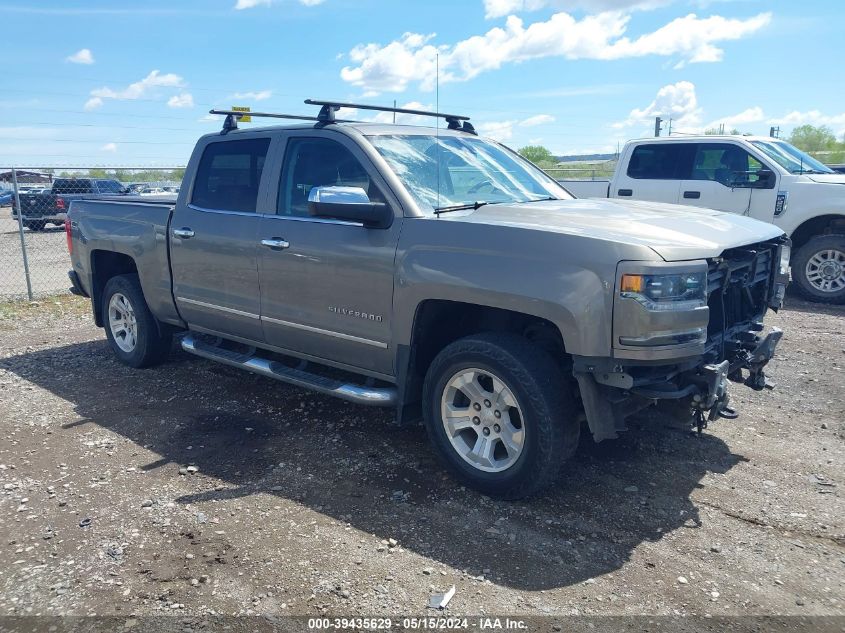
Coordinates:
(739, 284)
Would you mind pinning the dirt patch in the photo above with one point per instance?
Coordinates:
(196, 489)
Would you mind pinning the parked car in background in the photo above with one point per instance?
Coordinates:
(443, 275)
(6, 197)
(49, 206)
(760, 177)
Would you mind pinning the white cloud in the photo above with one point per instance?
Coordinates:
(249, 4)
(93, 103)
(676, 101)
(411, 58)
(746, 117)
(109, 147)
(503, 130)
(538, 119)
(498, 130)
(259, 95)
(812, 117)
(82, 56)
(139, 89)
(499, 8)
(182, 100)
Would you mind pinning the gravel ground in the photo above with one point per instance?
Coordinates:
(195, 489)
(48, 259)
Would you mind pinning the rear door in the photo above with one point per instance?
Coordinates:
(214, 238)
(653, 172)
(328, 293)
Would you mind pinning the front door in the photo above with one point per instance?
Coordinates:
(214, 240)
(327, 285)
(722, 178)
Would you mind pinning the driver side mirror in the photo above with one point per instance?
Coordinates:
(349, 203)
(766, 179)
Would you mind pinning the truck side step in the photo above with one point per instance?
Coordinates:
(373, 396)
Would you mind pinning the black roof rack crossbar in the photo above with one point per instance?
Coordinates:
(455, 121)
(327, 115)
(232, 116)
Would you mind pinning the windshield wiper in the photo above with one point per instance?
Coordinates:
(539, 199)
(460, 207)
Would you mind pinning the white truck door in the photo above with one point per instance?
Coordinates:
(720, 178)
(653, 172)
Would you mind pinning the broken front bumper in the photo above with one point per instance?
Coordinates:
(612, 392)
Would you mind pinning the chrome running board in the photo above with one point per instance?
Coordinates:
(373, 396)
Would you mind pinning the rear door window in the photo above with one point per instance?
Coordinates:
(229, 175)
(657, 161)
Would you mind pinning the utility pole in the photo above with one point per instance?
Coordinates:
(657, 128)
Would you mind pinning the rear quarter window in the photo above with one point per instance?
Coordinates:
(229, 175)
(656, 161)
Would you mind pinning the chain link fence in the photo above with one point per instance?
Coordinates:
(34, 258)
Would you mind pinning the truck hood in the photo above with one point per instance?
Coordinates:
(828, 179)
(672, 231)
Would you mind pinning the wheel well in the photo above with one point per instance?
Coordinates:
(817, 226)
(104, 266)
(438, 323)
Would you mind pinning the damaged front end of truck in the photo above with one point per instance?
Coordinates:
(682, 331)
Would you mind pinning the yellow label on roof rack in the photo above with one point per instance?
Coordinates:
(245, 118)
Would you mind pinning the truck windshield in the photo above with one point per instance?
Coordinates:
(791, 158)
(447, 171)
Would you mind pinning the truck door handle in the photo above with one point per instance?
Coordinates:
(695, 195)
(625, 192)
(184, 233)
(276, 243)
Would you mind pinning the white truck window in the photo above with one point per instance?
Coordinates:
(656, 161)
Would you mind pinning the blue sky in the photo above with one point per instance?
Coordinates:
(117, 83)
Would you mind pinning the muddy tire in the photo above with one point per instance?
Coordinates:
(500, 414)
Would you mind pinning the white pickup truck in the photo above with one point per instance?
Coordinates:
(761, 177)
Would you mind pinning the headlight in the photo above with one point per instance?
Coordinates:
(666, 291)
(785, 254)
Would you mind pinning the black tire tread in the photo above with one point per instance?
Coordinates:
(799, 261)
(153, 346)
(549, 397)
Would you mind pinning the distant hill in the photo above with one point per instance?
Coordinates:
(582, 158)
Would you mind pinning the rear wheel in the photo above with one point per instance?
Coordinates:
(36, 226)
(500, 414)
(131, 329)
(818, 268)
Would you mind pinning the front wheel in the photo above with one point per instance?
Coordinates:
(500, 414)
(818, 268)
(131, 328)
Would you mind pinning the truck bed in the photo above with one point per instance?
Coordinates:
(132, 226)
